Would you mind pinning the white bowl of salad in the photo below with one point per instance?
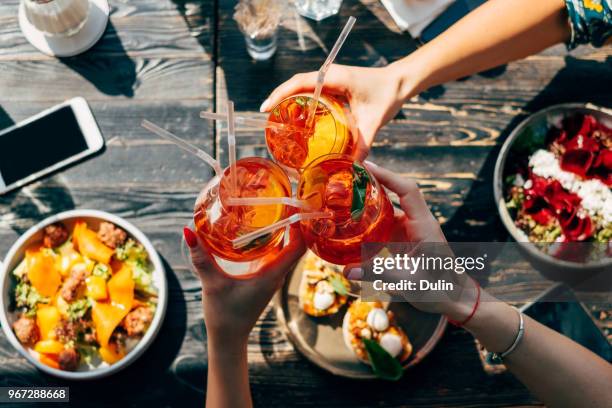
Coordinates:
(84, 294)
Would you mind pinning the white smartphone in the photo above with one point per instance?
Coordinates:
(46, 142)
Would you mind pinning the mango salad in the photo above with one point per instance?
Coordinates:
(83, 297)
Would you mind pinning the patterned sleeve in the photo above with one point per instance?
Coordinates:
(590, 21)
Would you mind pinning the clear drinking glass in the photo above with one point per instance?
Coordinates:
(57, 17)
(318, 9)
(261, 48)
(258, 20)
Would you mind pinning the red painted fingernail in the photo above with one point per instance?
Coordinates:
(190, 237)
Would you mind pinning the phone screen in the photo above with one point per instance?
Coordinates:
(40, 144)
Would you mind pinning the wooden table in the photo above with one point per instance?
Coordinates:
(167, 60)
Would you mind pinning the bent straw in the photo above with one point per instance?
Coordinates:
(314, 102)
(163, 133)
(247, 238)
(253, 122)
(231, 145)
(254, 201)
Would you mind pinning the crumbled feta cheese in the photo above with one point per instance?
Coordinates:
(595, 195)
(519, 180)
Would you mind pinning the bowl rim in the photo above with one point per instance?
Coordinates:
(498, 183)
(147, 339)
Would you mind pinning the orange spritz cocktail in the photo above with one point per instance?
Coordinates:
(217, 223)
(329, 133)
(362, 212)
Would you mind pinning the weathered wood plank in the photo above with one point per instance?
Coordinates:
(105, 78)
(137, 28)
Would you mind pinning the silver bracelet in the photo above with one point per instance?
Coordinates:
(498, 358)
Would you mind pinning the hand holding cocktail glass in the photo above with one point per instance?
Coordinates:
(416, 226)
(372, 93)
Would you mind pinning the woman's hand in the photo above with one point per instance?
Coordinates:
(231, 309)
(375, 95)
(416, 226)
(232, 306)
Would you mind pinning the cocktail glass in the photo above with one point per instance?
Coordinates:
(218, 223)
(330, 133)
(362, 211)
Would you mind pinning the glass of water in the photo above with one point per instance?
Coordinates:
(259, 20)
(318, 9)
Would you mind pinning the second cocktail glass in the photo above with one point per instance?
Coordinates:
(362, 211)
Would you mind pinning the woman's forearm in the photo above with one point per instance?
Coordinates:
(497, 32)
(557, 370)
(228, 375)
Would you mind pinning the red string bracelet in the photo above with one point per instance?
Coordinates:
(472, 313)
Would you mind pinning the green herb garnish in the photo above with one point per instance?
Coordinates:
(383, 364)
(529, 141)
(361, 179)
(78, 309)
(276, 112)
(339, 287)
(300, 100)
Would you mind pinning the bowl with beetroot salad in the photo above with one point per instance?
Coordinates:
(553, 184)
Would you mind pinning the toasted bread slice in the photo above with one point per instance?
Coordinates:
(316, 295)
(355, 327)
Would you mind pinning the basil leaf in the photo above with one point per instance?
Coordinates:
(339, 287)
(384, 365)
(361, 179)
(300, 100)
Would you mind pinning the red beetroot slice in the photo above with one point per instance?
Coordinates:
(575, 228)
(577, 161)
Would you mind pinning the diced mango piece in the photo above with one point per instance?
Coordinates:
(106, 318)
(89, 245)
(110, 354)
(49, 361)
(121, 288)
(42, 273)
(49, 347)
(67, 259)
(47, 319)
(96, 288)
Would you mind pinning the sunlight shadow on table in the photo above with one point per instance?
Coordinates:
(107, 65)
(23, 208)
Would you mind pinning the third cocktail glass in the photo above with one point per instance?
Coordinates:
(362, 212)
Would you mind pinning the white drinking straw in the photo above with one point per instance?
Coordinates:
(231, 146)
(254, 201)
(314, 102)
(247, 238)
(260, 123)
(183, 145)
